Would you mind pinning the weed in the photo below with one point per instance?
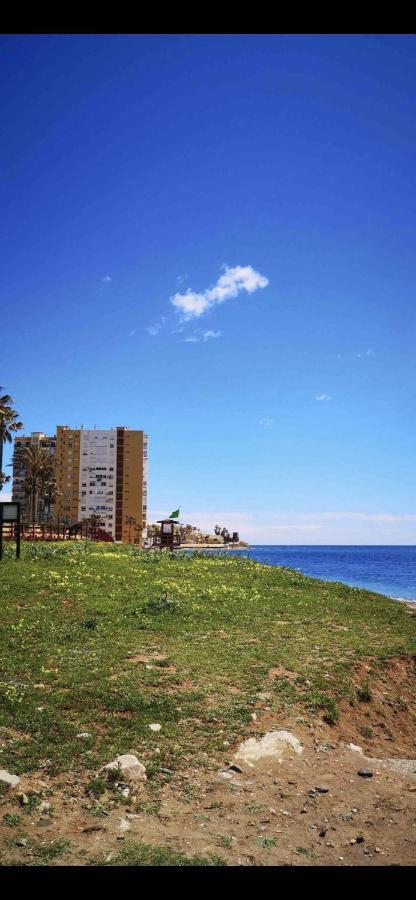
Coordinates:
(225, 840)
(366, 731)
(364, 693)
(266, 842)
(96, 787)
(140, 854)
(12, 819)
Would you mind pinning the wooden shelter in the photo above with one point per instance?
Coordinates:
(169, 538)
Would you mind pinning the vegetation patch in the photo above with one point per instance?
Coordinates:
(204, 632)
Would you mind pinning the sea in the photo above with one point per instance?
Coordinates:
(384, 570)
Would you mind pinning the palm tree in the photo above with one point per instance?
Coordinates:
(9, 423)
(50, 493)
(95, 520)
(130, 520)
(39, 468)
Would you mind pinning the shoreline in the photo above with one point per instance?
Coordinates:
(411, 603)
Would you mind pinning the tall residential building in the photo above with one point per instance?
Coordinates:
(103, 473)
(36, 439)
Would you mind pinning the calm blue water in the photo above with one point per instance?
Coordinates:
(386, 570)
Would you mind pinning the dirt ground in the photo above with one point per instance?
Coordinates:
(270, 815)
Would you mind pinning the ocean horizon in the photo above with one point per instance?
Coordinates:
(383, 569)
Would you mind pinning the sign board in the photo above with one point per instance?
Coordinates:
(10, 513)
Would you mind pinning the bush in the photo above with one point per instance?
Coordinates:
(163, 603)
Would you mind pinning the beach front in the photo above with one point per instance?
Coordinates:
(272, 716)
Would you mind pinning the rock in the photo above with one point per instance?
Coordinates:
(264, 695)
(125, 792)
(356, 748)
(225, 774)
(323, 832)
(123, 825)
(21, 842)
(322, 789)
(273, 745)
(84, 734)
(234, 768)
(155, 726)
(45, 823)
(365, 773)
(8, 778)
(91, 828)
(130, 767)
(359, 839)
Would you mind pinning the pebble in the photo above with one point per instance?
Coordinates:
(322, 789)
(155, 726)
(21, 842)
(84, 734)
(235, 768)
(365, 773)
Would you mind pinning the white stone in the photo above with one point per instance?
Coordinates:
(84, 734)
(356, 748)
(8, 778)
(274, 745)
(123, 825)
(130, 767)
(155, 726)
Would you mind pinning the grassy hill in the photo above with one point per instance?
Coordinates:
(108, 640)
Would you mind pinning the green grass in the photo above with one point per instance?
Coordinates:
(109, 639)
(139, 854)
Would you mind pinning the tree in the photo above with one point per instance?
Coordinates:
(39, 467)
(217, 530)
(130, 521)
(50, 494)
(9, 423)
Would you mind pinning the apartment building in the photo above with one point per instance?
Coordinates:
(102, 472)
(35, 439)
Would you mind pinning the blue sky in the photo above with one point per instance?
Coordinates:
(137, 169)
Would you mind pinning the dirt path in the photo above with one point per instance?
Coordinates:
(272, 814)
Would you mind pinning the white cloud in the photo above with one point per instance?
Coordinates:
(198, 336)
(323, 397)
(208, 335)
(106, 279)
(266, 423)
(153, 330)
(366, 354)
(230, 284)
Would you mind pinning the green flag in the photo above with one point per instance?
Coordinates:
(174, 515)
